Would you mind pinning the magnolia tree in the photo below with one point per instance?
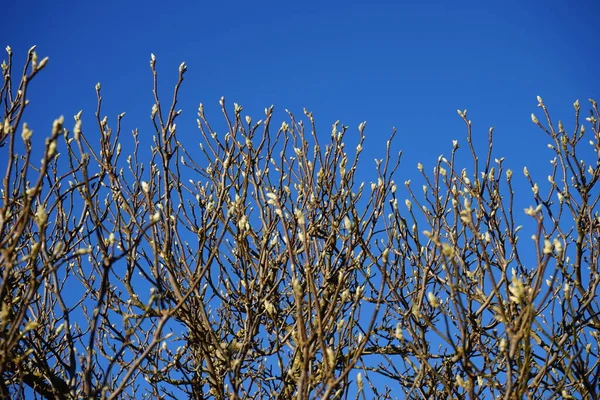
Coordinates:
(254, 264)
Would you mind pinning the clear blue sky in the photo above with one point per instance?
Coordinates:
(399, 64)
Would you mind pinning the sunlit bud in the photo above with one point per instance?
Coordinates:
(502, 345)
(269, 307)
(82, 251)
(155, 217)
(517, 290)
(398, 332)
(535, 189)
(526, 172)
(296, 286)
(98, 87)
(40, 216)
(558, 246)
(300, 216)
(345, 295)
(480, 380)
(385, 255)
(433, 300)
(347, 223)
(447, 250)
(31, 325)
(567, 290)
(467, 204)
(59, 329)
(408, 204)
(26, 134)
(243, 223)
(359, 292)
(145, 187)
(57, 125)
(547, 247)
(359, 381)
(508, 174)
(330, 357)
(237, 108)
(465, 216)
(42, 63)
(455, 144)
(420, 167)
(539, 99)
(272, 198)
(7, 127)
(576, 104)
(182, 67)
(361, 126)
(534, 118)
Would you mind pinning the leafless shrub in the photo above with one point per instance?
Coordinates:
(258, 265)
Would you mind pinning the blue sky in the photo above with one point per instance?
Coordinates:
(399, 64)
